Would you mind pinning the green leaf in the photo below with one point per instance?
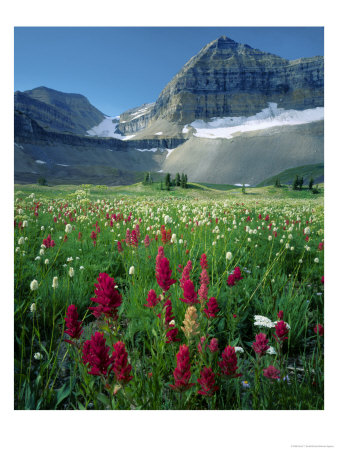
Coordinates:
(62, 393)
(103, 399)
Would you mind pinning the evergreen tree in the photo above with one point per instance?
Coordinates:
(300, 183)
(295, 183)
(146, 178)
(311, 183)
(161, 187)
(177, 179)
(167, 181)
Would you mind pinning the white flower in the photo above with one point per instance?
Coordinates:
(37, 258)
(68, 228)
(287, 245)
(270, 238)
(290, 236)
(69, 259)
(239, 350)
(300, 261)
(21, 240)
(41, 251)
(55, 283)
(316, 260)
(81, 267)
(281, 241)
(42, 228)
(34, 285)
(292, 249)
(37, 356)
(17, 249)
(228, 256)
(261, 321)
(131, 270)
(249, 239)
(180, 241)
(174, 239)
(172, 323)
(43, 246)
(25, 223)
(307, 230)
(245, 384)
(46, 261)
(271, 351)
(33, 308)
(71, 272)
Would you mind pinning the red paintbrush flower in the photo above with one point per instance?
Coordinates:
(237, 274)
(213, 346)
(182, 372)
(281, 330)
(163, 274)
(120, 367)
(271, 372)
(172, 335)
(48, 242)
(212, 308)
(319, 329)
(203, 261)
(186, 274)
(189, 294)
(280, 315)
(107, 296)
(207, 382)
(73, 325)
(228, 364)
(152, 300)
(261, 346)
(96, 355)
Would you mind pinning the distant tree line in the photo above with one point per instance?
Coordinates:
(179, 180)
(298, 184)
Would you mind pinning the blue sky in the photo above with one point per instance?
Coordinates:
(120, 68)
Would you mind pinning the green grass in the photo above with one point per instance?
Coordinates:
(287, 176)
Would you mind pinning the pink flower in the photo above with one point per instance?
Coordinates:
(172, 335)
(96, 355)
(320, 245)
(261, 346)
(134, 239)
(271, 372)
(189, 294)
(280, 315)
(204, 277)
(212, 308)
(213, 346)
(319, 329)
(182, 372)
(207, 382)
(146, 241)
(163, 272)
(168, 312)
(152, 300)
(228, 364)
(107, 297)
(200, 346)
(322, 280)
(74, 326)
(281, 330)
(237, 274)
(128, 237)
(186, 274)
(119, 247)
(231, 280)
(203, 293)
(203, 261)
(120, 366)
(48, 242)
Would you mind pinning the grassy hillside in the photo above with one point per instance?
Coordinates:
(287, 176)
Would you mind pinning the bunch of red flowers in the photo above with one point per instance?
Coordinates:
(182, 372)
(282, 331)
(212, 308)
(207, 382)
(260, 345)
(189, 294)
(163, 272)
(228, 364)
(234, 277)
(48, 242)
(186, 274)
(73, 325)
(107, 297)
(152, 299)
(165, 235)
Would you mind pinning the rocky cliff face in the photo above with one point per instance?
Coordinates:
(135, 119)
(58, 111)
(230, 79)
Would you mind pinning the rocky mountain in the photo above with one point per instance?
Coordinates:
(58, 111)
(228, 79)
(232, 114)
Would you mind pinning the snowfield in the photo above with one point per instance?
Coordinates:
(108, 129)
(226, 127)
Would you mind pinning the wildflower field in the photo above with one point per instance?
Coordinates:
(143, 299)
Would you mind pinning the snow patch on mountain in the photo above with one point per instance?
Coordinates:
(226, 127)
(107, 128)
(147, 149)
